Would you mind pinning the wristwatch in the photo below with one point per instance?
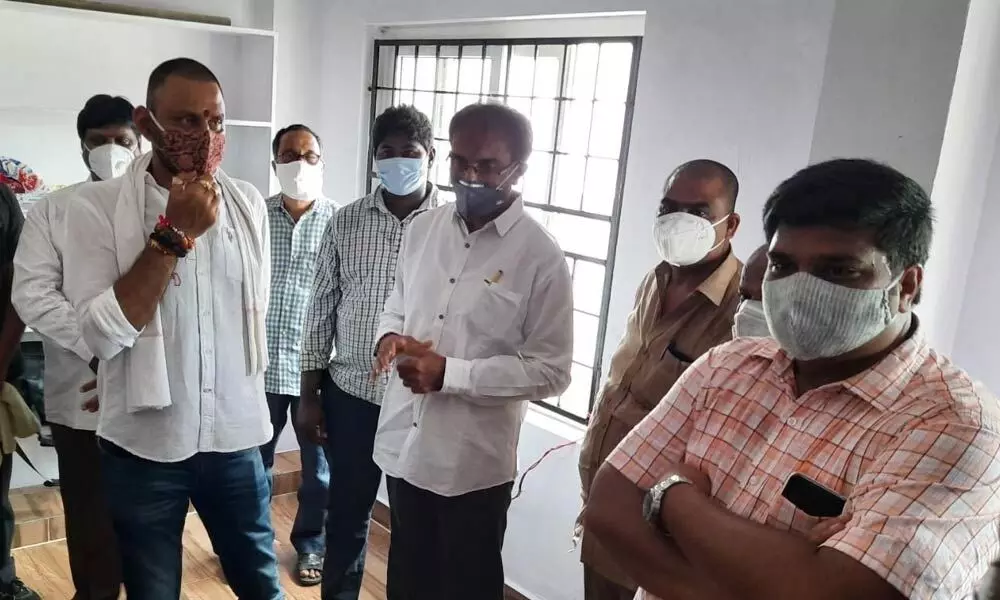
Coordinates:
(654, 497)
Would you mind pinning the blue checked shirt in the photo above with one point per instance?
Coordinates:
(294, 247)
(355, 275)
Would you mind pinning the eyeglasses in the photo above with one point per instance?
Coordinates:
(289, 156)
(483, 169)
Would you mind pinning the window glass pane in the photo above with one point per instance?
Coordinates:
(522, 71)
(426, 68)
(424, 102)
(383, 100)
(614, 71)
(493, 72)
(444, 110)
(576, 398)
(588, 287)
(406, 67)
(403, 97)
(582, 72)
(574, 130)
(502, 74)
(448, 69)
(465, 100)
(543, 123)
(599, 189)
(441, 174)
(570, 262)
(521, 105)
(584, 338)
(470, 74)
(579, 235)
(548, 71)
(386, 66)
(606, 135)
(535, 184)
(570, 172)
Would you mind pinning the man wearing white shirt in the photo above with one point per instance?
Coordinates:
(168, 267)
(479, 323)
(109, 142)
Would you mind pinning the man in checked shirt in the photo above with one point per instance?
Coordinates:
(849, 394)
(356, 271)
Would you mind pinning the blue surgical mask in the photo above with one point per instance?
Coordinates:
(477, 200)
(402, 176)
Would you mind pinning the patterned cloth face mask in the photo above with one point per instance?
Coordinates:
(199, 152)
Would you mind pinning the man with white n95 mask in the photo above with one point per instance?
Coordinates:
(683, 308)
(298, 218)
(750, 320)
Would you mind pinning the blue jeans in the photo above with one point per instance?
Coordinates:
(307, 532)
(354, 477)
(149, 503)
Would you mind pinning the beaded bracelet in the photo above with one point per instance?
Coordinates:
(168, 239)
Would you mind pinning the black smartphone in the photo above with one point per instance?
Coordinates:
(812, 498)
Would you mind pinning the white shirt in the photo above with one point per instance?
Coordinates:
(215, 405)
(498, 304)
(39, 300)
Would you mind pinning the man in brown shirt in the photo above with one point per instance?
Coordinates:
(683, 308)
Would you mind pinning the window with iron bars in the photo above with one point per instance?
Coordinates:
(579, 94)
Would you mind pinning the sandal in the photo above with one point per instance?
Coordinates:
(309, 562)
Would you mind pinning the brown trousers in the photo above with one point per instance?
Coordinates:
(90, 537)
(597, 587)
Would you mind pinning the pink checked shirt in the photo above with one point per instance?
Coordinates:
(912, 443)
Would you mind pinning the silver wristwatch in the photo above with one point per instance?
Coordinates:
(654, 497)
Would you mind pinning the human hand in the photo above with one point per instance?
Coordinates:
(423, 373)
(393, 345)
(193, 204)
(309, 418)
(92, 404)
(697, 477)
(827, 528)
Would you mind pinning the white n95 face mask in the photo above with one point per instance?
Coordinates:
(109, 161)
(812, 318)
(684, 239)
(750, 321)
(300, 180)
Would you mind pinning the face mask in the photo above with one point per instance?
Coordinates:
(402, 176)
(109, 161)
(684, 239)
(750, 321)
(477, 200)
(199, 152)
(300, 180)
(812, 318)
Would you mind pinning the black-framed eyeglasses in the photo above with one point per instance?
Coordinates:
(289, 156)
(483, 169)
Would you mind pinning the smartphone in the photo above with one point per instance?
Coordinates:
(812, 498)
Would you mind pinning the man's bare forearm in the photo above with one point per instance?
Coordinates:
(310, 382)
(139, 291)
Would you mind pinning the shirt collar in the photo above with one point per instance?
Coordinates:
(320, 206)
(880, 385)
(715, 285)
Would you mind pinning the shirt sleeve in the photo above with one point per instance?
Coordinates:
(90, 267)
(321, 317)
(542, 367)
(924, 513)
(646, 454)
(38, 283)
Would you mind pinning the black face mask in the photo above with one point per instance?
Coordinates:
(478, 200)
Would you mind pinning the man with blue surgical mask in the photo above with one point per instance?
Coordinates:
(355, 273)
(298, 218)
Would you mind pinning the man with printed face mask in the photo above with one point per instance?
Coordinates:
(298, 216)
(698, 501)
(749, 320)
(110, 143)
(168, 267)
(479, 323)
(355, 271)
(684, 307)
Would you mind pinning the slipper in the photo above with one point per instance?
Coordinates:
(309, 562)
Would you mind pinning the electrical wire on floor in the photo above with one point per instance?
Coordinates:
(520, 483)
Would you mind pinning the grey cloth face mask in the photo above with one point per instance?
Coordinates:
(812, 318)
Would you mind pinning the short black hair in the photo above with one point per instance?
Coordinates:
(406, 120)
(187, 68)
(291, 128)
(705, 168)
(856, 195)
(500, 118)
(104, 110)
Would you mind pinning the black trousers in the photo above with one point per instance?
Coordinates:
(446, 548)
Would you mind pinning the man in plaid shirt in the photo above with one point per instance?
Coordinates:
(848, 394)
(298, 217)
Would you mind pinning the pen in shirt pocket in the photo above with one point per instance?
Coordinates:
(495, 279)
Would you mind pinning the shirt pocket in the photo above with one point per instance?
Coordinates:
(495, 313)
(231, 254)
